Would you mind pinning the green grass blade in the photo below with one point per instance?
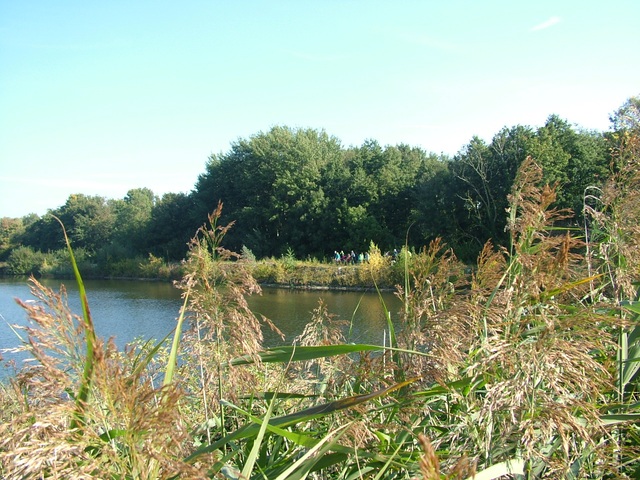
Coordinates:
(632, 306)
(13, 329)
(90, 338)
(255, 450)
(387, 464)
(173, 355)
(510, 467)
(619, 418)
(304, 415)
(398, 374)
(141, 365)
(296, 353)
(306, 441)
(353, 318)
(287, 474)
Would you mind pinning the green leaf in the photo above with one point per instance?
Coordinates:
(173, 355)
(307, 461)
(90, 339)
(307, 414)
(296, 354)
(463, 385)
(632, 306)
(141, 365)
(510, 467)
(255, 450)
(615, 419)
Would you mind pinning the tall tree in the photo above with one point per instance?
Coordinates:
(133, 217)
(271, 185)
(570, 158)
(88, 220)
(11, 230)
(434, 203)
(171, 227)
(475, 177)
(482, 176)
(627, 116)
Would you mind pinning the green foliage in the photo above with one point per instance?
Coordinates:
(289, 259)
(271, 184)
(169, 229)
(518, 369)
(627, 117)
(10, 231)
(24, 261)
(301, 189)
(133, 216)
(155, 267)
(248, 255)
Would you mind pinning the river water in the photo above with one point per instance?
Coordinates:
(126, 310)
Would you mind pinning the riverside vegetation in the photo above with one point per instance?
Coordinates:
(526, 367)
(300, 193)
(285, 271)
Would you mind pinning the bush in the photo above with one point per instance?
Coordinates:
(125, 267)
(25, 261)
(248, 255)
(156, 267)
(57, 263)
(377, 269)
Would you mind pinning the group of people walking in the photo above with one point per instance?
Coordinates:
(350, 258)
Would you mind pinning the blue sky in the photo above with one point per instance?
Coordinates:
(102, 97)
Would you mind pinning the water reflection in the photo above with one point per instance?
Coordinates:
(126, 310)
(291, 310)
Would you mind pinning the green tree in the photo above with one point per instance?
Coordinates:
(479, 206)
(588, 166)
(396, 181)
(11, 230)
(89, 221)
(550, 152)
(482, 176)
(171, 227)
(376, 193)
(434, 202)
(571, 158)
(44, 234)
(627, 117)
(133, 217)
(271, 185)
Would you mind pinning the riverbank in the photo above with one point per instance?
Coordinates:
(285, 272)
(310, 275)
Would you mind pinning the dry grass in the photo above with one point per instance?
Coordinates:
(518, 365)
(130, 426)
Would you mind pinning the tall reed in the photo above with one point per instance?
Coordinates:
(527, 367)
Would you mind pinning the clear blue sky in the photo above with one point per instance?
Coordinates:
(102, 97)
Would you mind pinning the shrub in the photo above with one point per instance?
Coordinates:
(377, 268)
(248, 255)
(60, 265)
(25, 261)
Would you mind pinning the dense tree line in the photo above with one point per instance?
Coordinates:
(300, 190)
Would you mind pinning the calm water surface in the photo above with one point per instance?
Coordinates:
(126, 310)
